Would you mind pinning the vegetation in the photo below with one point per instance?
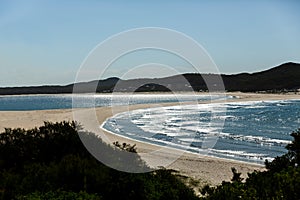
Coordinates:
(281, 180)
(50, 162)
(282, 78)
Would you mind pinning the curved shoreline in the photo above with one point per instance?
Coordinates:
(210, 170)
(177, 149)
(183, 149)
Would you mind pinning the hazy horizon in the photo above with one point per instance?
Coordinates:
(58, 84)
(44, 43)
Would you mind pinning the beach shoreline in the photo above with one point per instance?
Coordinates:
(207, 169)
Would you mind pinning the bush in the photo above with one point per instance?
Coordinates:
(59, 195)
(280, 181)
(50, 162)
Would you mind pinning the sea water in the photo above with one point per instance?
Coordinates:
(247, 131)
(47, 102)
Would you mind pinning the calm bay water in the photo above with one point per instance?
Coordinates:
(47, 102)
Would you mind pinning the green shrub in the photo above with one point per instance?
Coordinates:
(50, 162)
(280, 181)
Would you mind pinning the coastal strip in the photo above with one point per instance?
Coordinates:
(207, 169)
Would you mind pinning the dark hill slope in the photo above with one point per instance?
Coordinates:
(283, 77)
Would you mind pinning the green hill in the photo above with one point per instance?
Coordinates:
(280, 78)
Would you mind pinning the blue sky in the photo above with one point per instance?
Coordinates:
(45, 42)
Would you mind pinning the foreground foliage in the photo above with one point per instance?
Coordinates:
(50, 162)
(281, 180)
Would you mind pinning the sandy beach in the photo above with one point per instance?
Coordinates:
(207, 169)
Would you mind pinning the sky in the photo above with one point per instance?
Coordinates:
(46, 42)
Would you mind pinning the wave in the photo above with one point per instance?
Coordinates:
(242, 155)
(255, 139)
(189, 126)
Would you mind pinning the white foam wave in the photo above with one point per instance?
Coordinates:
(255, 139)
(241, 154)
(182, 125)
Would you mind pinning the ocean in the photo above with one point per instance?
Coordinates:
(245, 131)
(67, 101)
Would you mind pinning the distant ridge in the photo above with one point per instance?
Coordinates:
(285, 77)
(282, 77)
